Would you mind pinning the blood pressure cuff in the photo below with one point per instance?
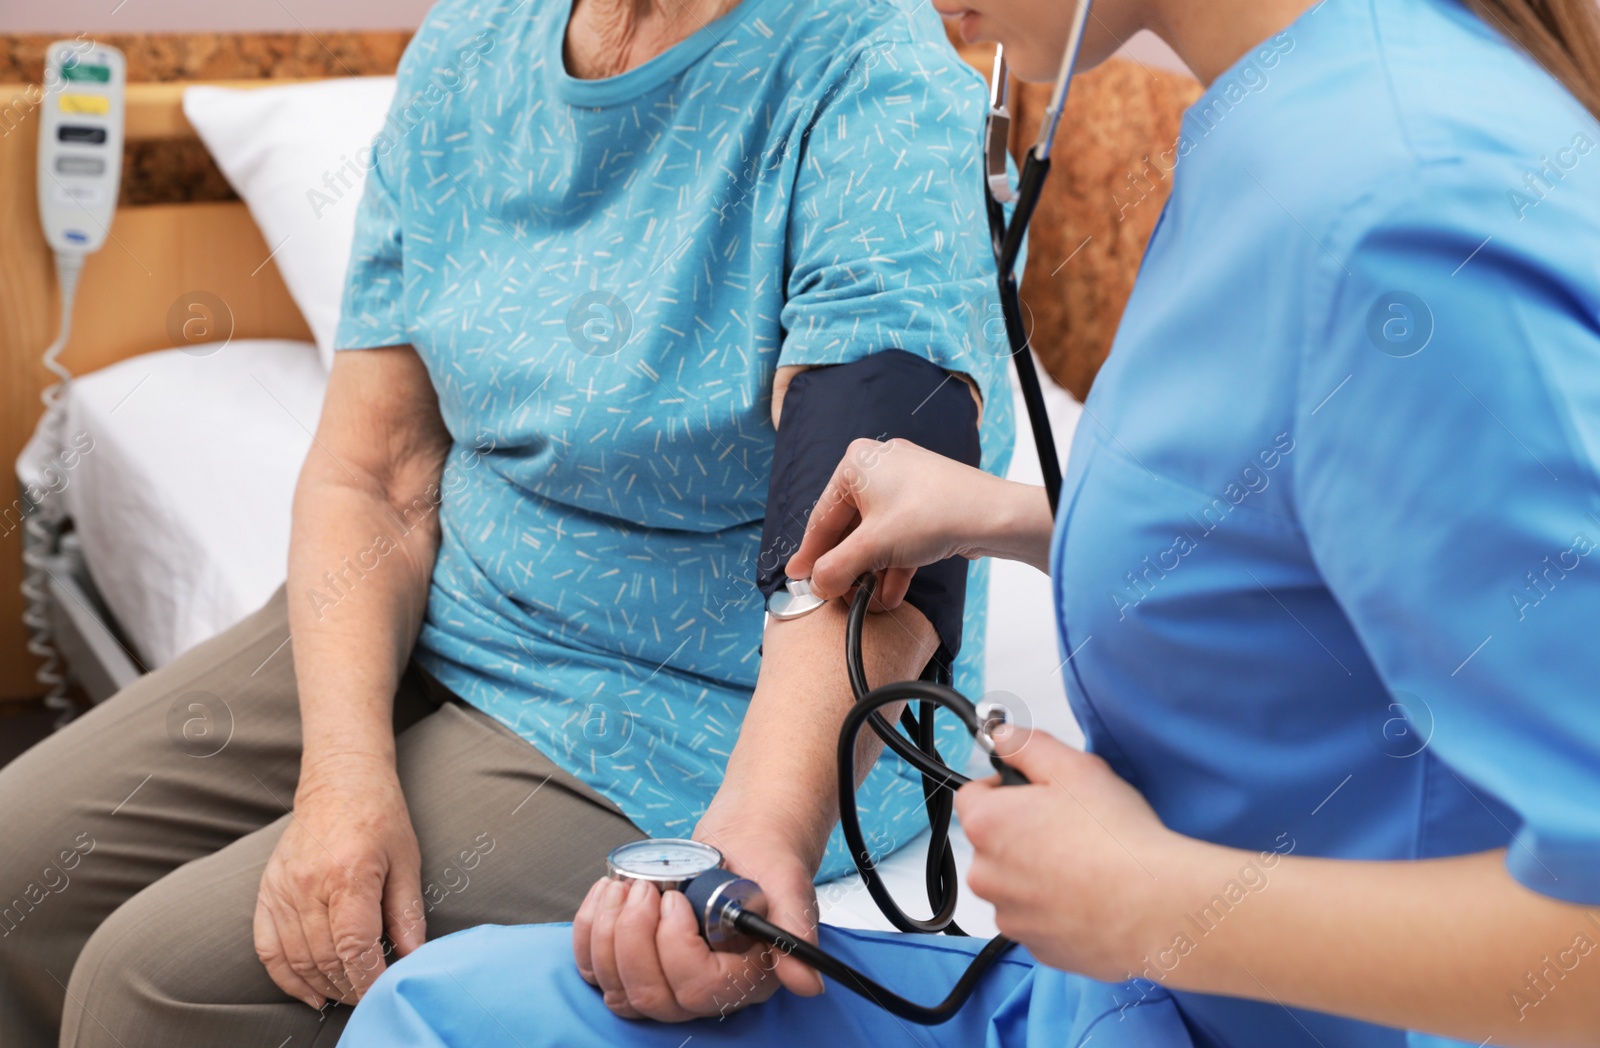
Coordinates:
(887, 395)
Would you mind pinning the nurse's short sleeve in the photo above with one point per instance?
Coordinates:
(1449, 434)
(372, 313)
(888, 243)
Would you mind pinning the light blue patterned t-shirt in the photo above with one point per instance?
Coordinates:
(602, 277)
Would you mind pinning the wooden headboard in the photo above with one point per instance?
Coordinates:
(178, 230)
(156, 255)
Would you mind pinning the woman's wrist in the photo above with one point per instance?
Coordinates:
(346, 723)
(321, 769)
(768, 827)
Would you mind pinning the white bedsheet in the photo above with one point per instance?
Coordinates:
(183, 508)
(183, 504)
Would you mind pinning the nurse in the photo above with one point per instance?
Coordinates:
(1326, 580)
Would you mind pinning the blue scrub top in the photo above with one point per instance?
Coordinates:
(1327, 562)
(1326, 547)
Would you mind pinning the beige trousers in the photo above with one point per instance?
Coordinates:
(132, 844)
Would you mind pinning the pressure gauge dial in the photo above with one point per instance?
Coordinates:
(669, 863)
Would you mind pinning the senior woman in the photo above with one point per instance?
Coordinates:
(597, 247)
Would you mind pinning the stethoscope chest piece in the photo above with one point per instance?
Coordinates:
(794, 600)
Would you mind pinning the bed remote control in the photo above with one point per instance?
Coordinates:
(80, 144)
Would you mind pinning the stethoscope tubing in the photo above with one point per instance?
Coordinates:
(1007, 239)
(758, 927)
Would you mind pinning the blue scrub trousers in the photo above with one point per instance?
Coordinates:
(517, 987)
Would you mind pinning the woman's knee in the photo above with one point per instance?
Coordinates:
(175, 959)
(54, 852)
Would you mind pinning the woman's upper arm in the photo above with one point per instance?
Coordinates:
(897, 256)
(380, 427)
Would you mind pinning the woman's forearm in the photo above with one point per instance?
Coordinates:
(361, 550)
(1450, 946)
(783, 770)
(359, 566)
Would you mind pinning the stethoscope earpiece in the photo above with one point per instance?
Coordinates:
(1007, 237)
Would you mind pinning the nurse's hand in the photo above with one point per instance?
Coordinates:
(643, 949)
(892, 507)
(1077, 864)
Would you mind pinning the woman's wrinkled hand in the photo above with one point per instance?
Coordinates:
(346, 871)
(892, 507)
(642, 948)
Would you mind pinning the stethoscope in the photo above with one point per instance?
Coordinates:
(731, 910)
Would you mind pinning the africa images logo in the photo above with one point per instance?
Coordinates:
(599, 323)
(1400, 324)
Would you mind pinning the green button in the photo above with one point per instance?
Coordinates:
(96, 74)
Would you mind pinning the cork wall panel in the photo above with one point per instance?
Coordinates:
(1111, 176)
(169, 57)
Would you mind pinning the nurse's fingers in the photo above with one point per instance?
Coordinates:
(583, 928)
(603, 950)
(1037, 754)
(1010, 739)
(835, 573)
(1010, 743)
(892, 589)
(638, 964)
(836, 513)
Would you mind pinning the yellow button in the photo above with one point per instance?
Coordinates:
(97, 104)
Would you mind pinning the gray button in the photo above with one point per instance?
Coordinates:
(80, 165)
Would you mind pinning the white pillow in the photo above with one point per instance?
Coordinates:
(297, 155)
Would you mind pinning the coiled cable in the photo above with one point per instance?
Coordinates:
(41, 526)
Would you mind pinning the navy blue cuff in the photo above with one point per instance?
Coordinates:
(884, 396)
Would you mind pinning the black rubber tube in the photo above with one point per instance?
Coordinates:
(758, 927)
(1007, 241)
(939, 783)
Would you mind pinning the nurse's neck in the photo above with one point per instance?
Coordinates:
(609, 37)
(1210, 37)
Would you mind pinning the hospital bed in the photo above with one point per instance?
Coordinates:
(179, 515)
